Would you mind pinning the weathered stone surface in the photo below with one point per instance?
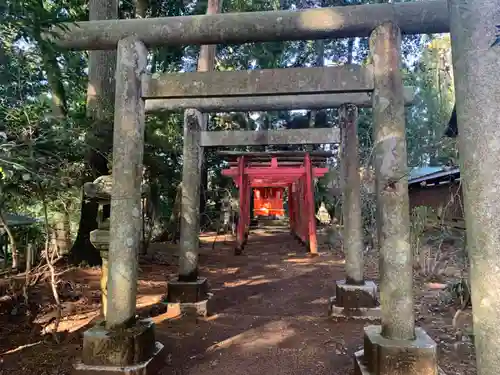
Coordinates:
(194, 122)
(355, 301)
(118, 347)
(316, 80)
(101, 188)
(268, 137)
(269, 103)
(193, 309)
(126, 204)
(356, 21)
(355, 296)
(151, 366)
(391, 171)
(100, 239)
(382, 356)
(351, 193)
(187, 292)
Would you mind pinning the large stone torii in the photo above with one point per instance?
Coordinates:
(476, 62)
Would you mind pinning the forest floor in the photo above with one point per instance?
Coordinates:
(270, 316)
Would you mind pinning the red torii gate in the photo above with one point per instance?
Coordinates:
(295, 171)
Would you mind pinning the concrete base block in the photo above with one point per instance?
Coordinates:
(118, 347)
(200, 308)
(186, 291)
(150, 366)
(355, 301)
(383, 356)
(362, 313)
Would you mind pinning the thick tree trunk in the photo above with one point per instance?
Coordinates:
(100, 104)
(53, 72)
(319, 51)
(206, 63)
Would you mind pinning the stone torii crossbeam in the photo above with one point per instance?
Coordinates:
(395, 347)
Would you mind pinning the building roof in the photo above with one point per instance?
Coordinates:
(436, 174)
(14, 220)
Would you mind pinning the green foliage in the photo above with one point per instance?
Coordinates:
(46, 138)
(419, 221)
(460, 293)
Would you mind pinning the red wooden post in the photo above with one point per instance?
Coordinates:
(298, 178)
(310, 213)
(290, 208)
(248, 189)
(241, 221)
(300, 211)
(304, 215)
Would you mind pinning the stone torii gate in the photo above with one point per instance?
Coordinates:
(395, 347)
(294, 170)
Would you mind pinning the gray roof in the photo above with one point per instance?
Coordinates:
(420, 174)
(14, 220)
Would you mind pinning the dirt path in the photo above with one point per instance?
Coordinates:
(271, 306)
(270, 318)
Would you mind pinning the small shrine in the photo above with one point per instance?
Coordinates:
(271, 175)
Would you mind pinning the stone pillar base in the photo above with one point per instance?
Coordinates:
(150, 367)
(355, 301)
(131, 351)
(383, 356)
(190, 298)
(201, 308)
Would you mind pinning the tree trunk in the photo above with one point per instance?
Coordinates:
(206, 63)
(100, 103)
(12, 241)
(53, 72)
(319, 51)
(141, 7)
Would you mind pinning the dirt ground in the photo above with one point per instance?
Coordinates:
(270, 310)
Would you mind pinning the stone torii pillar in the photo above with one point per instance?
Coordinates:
(475, 41)
(188, 291)
(354, 296)
(395, 347)
(123, 344)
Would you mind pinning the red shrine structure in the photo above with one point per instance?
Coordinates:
(270, 175)
(268, 202)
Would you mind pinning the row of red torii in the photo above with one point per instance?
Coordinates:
(253, 170)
